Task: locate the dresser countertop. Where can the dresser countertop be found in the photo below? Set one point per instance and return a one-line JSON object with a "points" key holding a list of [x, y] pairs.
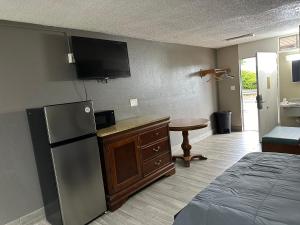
{"points": [[129, 124]]}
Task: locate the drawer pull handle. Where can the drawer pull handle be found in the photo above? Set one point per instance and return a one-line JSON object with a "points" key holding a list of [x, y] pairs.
{"points": [[157, 163], [156, 149]]}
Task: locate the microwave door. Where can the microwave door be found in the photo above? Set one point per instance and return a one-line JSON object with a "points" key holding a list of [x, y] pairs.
{"points": [[105, 119]]}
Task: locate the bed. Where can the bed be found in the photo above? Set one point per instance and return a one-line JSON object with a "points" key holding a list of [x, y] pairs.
{"points": [[282, 139], [260, 189]]}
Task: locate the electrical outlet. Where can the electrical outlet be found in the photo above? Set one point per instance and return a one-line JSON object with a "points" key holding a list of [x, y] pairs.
{"points": [[232, 87], [71, 58], [134, 102]]}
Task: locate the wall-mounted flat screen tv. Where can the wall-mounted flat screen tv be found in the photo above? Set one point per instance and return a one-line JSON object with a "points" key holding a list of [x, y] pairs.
{"points": [[100, 59], [296, 71]]}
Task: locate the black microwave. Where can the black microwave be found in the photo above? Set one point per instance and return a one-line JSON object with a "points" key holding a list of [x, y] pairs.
{"points": [[105, 119]]}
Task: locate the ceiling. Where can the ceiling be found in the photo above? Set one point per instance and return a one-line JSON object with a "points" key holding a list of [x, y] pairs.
{"points": [[204, 23]]}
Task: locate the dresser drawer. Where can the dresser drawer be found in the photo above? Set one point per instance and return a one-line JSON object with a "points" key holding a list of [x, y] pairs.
{"points": [[156, 163], [156, 149], [154, 135]]}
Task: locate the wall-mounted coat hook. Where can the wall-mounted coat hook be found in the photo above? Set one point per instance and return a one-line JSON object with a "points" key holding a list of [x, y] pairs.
{"points": [[219, 74]]}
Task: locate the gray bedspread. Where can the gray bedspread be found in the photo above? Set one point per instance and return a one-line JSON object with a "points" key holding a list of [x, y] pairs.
{"points": [[261, 188]]}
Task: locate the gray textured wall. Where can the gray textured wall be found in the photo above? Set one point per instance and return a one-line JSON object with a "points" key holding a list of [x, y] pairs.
{"points": [[230, 100], [248, 50], [34, 72]]}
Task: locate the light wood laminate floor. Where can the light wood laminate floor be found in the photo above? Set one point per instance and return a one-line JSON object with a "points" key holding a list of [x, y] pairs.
{"points": [[159, 202]]}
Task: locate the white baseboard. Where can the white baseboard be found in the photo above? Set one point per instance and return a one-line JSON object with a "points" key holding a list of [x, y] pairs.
{"points": [[193, 140], [30, 219]]}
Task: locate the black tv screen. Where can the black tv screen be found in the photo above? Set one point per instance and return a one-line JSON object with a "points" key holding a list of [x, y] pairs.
{"points": [[99, 59], [296, 71]]}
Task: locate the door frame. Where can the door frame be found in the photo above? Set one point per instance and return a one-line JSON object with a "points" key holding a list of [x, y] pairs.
{"points": [[241, 92]]}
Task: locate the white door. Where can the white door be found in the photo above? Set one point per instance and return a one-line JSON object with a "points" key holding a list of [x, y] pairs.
{"points": [[267, 91]]}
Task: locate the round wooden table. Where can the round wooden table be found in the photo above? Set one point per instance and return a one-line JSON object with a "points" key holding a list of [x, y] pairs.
{"points": [[185, 125]]}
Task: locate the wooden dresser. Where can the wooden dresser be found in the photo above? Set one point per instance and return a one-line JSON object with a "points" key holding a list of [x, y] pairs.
{"points": [[134, 153]]}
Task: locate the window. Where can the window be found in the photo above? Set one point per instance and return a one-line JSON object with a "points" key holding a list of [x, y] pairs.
{"points": [[289, 42]]}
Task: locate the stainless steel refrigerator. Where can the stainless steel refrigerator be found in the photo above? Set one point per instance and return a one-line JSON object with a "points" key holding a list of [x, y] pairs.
{"points": [[68, 162]]}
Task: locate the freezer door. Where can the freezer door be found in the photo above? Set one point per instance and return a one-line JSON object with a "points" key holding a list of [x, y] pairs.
{"points": [[70, 120], [79, 181]]}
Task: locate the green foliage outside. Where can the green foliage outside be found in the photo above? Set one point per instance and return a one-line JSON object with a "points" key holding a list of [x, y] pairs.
{"points": [[248, 80]]}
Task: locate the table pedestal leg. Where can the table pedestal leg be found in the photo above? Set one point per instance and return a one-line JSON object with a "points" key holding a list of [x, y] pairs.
{"points": [[186, 147]]}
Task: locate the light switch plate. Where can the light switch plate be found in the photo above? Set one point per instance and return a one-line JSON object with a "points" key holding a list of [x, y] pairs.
{"points": [[232, 87], [134, 102]]}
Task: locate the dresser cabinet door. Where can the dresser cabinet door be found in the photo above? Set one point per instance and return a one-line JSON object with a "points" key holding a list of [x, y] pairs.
{"points": [[125, 162]]}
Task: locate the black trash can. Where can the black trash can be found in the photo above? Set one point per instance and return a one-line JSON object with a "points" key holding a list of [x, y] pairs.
{"points": [[223, 122]]}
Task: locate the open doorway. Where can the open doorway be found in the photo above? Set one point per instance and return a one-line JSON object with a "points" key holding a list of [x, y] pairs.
{"points": [[249, 93]]}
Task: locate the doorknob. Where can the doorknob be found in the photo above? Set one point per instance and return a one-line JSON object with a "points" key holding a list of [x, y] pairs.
{"points": [[259, 101]]}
